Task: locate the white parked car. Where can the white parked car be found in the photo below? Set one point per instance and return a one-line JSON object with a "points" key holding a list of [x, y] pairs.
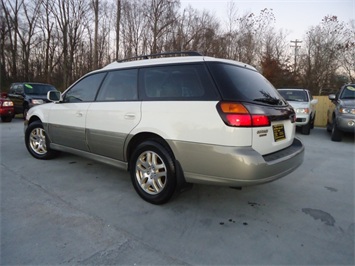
{"points": [[305, 107], [172, 121]]}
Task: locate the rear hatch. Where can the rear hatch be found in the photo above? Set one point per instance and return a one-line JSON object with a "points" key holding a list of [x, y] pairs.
{"points": [[250, 101]]}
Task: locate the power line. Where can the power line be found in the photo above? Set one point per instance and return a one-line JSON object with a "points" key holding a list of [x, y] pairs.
{"points": [[296, 46]]}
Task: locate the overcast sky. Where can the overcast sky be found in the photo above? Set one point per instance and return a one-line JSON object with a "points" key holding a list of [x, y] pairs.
{"points": [[295, 16]]}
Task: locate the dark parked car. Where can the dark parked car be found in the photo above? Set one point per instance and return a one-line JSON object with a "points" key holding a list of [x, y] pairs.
{"points": [[341, 114], [28, 94], [6, 108]]}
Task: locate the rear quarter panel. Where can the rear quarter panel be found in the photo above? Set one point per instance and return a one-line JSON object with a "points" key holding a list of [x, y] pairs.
{"points": [[190, 121]]}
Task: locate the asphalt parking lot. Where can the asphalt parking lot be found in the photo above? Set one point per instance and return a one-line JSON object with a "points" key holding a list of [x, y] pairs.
{"points": [[71, 210]]}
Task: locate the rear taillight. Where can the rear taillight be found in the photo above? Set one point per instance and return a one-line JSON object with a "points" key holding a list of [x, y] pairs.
{"points": [[237, 115]]}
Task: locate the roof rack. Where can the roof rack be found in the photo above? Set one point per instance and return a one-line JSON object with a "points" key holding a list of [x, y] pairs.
{"points": [[140, 57]]}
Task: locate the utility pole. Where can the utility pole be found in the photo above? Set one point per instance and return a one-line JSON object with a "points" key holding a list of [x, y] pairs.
{"points": [[296, 46]]}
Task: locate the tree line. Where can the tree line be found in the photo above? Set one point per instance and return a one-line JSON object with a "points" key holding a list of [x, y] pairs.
{"points": [[57, 41]]}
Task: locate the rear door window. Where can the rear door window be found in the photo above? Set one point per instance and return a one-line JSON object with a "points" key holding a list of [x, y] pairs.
{"points": [[177, 82], [119, 85]]}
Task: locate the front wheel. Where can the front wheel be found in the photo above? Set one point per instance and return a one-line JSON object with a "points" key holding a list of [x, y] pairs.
{"points": [[336, 134], [37, 143], [25, 111], [153, 172], [306, 129]]}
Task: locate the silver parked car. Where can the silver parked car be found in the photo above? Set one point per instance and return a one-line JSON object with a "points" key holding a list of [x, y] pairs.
{"points": [[302, 101], [341, 114]]}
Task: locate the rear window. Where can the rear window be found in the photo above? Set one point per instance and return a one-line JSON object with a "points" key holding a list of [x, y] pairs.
{"points": [[241, 84]]}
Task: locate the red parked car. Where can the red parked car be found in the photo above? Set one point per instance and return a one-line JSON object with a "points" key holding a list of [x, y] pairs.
{"points": [[7, 111]]}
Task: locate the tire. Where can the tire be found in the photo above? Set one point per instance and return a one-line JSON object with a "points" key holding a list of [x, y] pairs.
{"points": [[25, 111], [306, 129], [329, 127], [313, 119], [37, 142], [6, 118], [336, 134], [153, 172]]}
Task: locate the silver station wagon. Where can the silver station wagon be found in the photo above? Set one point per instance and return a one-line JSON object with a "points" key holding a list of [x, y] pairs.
{"points": [[172, 121]]}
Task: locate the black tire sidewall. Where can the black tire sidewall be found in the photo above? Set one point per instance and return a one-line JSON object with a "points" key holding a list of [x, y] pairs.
{"points": [[171, 181], [336, 134]]}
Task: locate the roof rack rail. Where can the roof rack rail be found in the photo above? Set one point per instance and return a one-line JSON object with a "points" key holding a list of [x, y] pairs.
{"points": [[167, 54]]}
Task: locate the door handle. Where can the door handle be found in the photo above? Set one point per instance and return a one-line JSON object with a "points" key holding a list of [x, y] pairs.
{"points": [[130, 116]]}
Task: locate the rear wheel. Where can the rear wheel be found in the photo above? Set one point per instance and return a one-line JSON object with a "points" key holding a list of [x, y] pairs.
{"points": [[153, 172], [37, 142]]}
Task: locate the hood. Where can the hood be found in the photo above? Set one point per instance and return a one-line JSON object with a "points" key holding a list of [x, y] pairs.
{"points": [[296, 105], [348, 103], [38, 96]]}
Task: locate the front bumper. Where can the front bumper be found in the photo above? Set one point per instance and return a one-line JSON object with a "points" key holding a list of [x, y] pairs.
{"points": [[7, 112], [302, 119], [236, 166], [346, 122]]}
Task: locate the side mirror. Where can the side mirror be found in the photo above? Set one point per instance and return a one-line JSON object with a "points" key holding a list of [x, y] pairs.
{"points": [[314, 101], [54, 96], [332, 97]]}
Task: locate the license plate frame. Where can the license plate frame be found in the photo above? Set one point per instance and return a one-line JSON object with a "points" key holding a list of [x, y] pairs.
{"points": [[279, 132]]}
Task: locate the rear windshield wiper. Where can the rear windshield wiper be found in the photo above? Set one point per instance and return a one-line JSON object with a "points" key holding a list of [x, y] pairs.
{"points": [[273, 101]]}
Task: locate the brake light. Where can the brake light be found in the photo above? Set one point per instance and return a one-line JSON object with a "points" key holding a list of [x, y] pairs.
{"points": [[237, 115]]}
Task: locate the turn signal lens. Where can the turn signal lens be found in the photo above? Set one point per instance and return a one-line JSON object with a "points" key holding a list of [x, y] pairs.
{"points": [[233, 108], [237, 115]]}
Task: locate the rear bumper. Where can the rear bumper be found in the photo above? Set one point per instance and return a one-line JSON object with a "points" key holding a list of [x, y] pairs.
{"points": [[236, 166]]}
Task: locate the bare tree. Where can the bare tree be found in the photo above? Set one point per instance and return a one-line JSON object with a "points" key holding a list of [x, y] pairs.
{"points": [[11, 12], [347, 54], [26, 33], [95, 4], [160, 15], [320, 58], [118, 21], [70, 16], [134, 29]]}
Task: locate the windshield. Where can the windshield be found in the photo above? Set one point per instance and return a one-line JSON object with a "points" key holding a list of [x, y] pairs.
{"points": [[239, 83], [38, 89], [294, 95], [348, 92]]}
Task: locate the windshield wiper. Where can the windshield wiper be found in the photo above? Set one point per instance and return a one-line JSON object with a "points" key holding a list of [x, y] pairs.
{"points": [[272, 101]]}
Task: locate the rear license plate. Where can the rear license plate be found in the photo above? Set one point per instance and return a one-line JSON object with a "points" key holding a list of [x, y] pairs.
{"points": [[279, 132]]}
